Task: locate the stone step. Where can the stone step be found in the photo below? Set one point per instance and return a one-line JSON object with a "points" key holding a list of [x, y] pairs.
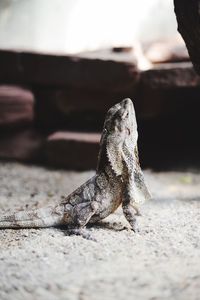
{"points": [[99, 70], [170, 76]]}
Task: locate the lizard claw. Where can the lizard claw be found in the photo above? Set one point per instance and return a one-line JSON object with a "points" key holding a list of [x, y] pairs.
{"points": [[133, 226]]}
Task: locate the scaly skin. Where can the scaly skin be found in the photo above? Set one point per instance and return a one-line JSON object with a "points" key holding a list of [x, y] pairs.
{"points": [[118, 180]]}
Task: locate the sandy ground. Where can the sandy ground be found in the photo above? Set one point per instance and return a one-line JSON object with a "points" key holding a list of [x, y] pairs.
{"points": [[161, 261]]}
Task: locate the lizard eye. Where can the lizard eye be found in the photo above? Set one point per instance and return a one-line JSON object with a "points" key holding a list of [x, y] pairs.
{"points": [[125, 114], [128, 131]]}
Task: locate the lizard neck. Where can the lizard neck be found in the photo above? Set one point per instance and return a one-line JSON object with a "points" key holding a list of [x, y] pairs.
{"points": [[102, 162]]}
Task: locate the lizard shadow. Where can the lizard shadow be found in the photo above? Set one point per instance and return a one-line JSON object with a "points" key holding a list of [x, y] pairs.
{"points": [[108, 225], [87, 231]]}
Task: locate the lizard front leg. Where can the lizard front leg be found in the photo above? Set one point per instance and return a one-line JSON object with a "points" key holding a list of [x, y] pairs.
{"points": [[130, 210]]}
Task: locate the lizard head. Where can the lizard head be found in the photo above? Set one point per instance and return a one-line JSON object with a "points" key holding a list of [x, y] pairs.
{"points": [[119, 134], [120, 119]]}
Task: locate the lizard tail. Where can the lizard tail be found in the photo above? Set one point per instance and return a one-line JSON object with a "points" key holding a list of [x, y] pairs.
{"points": [[43, 217]]}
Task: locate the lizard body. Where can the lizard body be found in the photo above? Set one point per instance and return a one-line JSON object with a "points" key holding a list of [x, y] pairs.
{"points": [[118, 180]]}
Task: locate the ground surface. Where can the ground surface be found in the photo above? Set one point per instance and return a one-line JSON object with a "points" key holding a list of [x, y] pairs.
{"points": [[162, 261]]}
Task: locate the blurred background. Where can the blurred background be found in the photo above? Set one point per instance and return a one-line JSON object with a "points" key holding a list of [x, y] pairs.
{"points": [[71, 26], [64, 63]]}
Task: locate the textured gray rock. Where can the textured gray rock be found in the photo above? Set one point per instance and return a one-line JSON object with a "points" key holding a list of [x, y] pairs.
{"points": [[159, 262], [187, 14]]}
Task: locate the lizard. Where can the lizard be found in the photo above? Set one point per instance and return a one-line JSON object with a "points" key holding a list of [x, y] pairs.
{"points": [[118, 181]]}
